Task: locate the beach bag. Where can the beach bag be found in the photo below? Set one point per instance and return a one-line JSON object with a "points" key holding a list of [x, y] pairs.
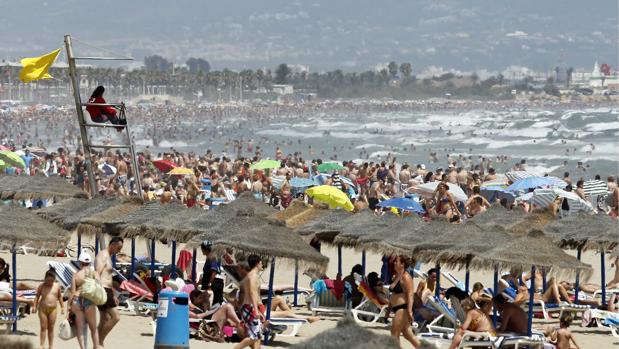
{"points": [[210, 332], [66, 331], [93, 291]]}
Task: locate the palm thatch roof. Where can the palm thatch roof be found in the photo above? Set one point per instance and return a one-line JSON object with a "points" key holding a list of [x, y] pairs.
{"points": [[537, 219], [23, 227], [348, 334], [246, 201], [299, 214], [38, 187], [366, 223], [252, 234], [67, 213], [598, 231], [326, 226], [498, 216], [401, 237], [155, 220], [93, 224], [533, 249]]}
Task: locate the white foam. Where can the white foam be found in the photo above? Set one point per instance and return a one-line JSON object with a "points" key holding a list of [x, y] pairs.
{"points": [[384, 154], [370, 145], [602, 126], [288, 132]]}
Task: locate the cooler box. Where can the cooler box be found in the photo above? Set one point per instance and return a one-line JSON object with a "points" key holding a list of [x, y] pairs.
{"points": [[172, 321]]}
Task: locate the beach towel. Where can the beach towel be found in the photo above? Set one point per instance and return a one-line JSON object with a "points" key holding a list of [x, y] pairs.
{"points": [[369, 293], [184, 260]]}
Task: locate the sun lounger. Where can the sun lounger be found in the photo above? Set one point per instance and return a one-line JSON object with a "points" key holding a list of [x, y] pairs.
{"points": [[326, 302], [447, 315], [603, 319], [371, 309], [485, 340], [546, 309], [232, 281], [64, 275]]}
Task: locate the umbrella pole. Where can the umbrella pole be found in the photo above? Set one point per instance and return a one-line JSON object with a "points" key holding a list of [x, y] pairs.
{"points": [[152, 258], [495, 291], [544, 279], [270, 298], [437, 286], [79, 244], [467, 277], [194, 264], [603, 276], [363, 261], [132, 270], [96, 244], [385, 271], [339, 259], [14, 300], [296, 283], [577, 282], [531, 300], [173, 264]]}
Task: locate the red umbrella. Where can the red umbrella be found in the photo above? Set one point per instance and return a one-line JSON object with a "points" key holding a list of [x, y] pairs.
{"points": [[164, 165]]}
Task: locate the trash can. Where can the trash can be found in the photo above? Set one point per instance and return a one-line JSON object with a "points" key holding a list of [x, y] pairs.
{"points": [[172, 321]]}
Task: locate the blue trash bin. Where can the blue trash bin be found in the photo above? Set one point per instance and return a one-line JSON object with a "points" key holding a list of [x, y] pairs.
{"points": [[172, 321]]}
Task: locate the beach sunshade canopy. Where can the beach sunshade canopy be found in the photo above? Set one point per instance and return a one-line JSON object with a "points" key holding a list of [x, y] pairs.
{"points": [[535, 182], [537, 219], [348, 334], [12, 159], [331, 196], [597, 231], [360, 224], [402, 204], [595, 187], [428, 189], [107, 169], [497, 216], [321, 178], [181, 171], [164, 165], [384, 235], [93, 224], [68, 213], [515, 176], [3, 165], [20, 226], [38, 187], [544, 197], [299, 182], [297, 214], [493, 193], [532, 249], [326, 226], [330, 166], [265, 164]]}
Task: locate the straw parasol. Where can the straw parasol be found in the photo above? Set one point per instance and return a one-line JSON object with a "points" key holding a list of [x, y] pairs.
{"points": [[67, 213], [533, 249], [348, 334], [537, 219], [298, 214], [498, 216], [326, 226], [23, 227], [246, 201], [94, 224], [364, 223], [598, 231], [38, 187], [403, 237]]}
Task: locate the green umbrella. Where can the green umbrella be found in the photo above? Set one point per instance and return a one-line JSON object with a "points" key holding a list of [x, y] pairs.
{"points": [[264, 164], [330, 166], [3, 165], [12, 159]]}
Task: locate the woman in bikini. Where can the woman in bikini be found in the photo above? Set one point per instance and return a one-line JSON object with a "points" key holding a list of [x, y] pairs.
{"points": [[445, 204], [401, 302], [477, 320], [46, 302], [82, 307]]}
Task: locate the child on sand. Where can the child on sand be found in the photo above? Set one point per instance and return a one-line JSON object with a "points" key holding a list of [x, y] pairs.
{"points": [[562, 336], [45, 304]]}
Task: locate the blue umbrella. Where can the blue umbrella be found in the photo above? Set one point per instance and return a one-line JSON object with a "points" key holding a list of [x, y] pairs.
{"points": [[535, 182], [300, 182], [494, 192], [403, 204], [107, 169]]}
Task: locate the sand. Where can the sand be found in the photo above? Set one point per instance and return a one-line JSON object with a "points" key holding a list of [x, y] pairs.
{"points": [[135, 332]]}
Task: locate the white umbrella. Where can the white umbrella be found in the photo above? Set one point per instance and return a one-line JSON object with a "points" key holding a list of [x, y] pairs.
{"points": [[428, 189], [515, 176], [107, 169], [544, 197], [595, 187]]}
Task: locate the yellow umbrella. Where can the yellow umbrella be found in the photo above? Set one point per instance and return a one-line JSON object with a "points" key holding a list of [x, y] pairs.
{"points": [[181, 171], [331, 196]]}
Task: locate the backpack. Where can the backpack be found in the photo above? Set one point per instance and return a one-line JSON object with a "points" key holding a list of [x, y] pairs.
{"points": [[93, 291]]}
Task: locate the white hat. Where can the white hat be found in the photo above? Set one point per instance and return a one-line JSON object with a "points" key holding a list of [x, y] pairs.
{"points": [[85, 257], [423, 167]]}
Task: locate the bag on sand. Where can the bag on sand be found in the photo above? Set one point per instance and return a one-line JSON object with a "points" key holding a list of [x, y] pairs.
{"points": [[66, 331], [93, 291]]}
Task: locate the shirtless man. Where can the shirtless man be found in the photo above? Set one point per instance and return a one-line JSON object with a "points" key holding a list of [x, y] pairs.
{"points": [[513, 318], [108, 312], [121, 171], [250, 315]]}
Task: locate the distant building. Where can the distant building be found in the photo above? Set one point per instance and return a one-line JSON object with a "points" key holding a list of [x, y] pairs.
{"points": [[599, 79], [283, 90]]}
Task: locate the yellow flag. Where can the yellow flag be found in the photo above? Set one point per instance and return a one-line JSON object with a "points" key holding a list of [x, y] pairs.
{"points": [[36, 68]]}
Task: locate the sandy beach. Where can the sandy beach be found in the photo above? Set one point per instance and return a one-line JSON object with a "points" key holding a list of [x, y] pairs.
{"points": [[135, 332]]}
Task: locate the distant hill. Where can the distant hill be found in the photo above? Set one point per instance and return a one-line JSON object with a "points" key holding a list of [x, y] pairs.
{"points": [[325, 34]]}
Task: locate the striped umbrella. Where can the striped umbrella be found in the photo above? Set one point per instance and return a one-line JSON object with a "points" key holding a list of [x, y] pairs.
{"points": [[595, 187], [535, 182], [544, 197], [515, 176], [321, 178]]}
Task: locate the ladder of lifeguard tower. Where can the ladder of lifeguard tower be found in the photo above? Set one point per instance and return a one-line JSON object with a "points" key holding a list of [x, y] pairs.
{"points": [[79, 107]]}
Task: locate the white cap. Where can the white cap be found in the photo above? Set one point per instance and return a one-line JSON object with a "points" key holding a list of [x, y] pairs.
{"points": [[423, 167], [85, 257]]}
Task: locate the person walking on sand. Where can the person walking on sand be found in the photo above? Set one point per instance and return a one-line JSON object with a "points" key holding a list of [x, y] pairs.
{"points": [[80, 306], [401, 302], [108, 312], [250, 314], [45, 305]]}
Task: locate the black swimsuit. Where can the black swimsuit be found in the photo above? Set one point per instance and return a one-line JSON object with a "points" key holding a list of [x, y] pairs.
{"points": [[397, 289]]}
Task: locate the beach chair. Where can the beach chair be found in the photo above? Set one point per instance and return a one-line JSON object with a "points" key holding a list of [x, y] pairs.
{"points": [[324, 301], [6, 315], [371, 308], [232, 281], [64, 275], [448, 315], [602, 319], [546, 309]]}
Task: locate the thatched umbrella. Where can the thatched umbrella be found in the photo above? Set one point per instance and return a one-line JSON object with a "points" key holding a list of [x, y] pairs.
{"points": [[498, 216], [22, 227], [38, 187], [67, 213], [246, 201], [299, 214], [93, 224], [348, 334], [325, 227], [362, 224], [537, 219]]}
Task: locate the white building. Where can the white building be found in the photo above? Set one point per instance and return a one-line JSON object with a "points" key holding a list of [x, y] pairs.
{"points": [[283, 89], [599, 80]]}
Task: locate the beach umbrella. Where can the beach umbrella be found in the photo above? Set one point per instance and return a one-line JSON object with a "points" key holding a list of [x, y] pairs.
{"points": [[330, 166], [595, 187], [331, 196], [428, 189], [326, 226], [2, 147], [37, 151], [67, 213], [164, 165], [3, 165], [515, 176], [403, 204], [265, 164], [497, 216], [181, 171], [297, 214], [493, 193], [321, 178], [300, 182], [348, 334], [534, 182], [12, 159], [38, 187], [544, 197], [107, 169]]}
